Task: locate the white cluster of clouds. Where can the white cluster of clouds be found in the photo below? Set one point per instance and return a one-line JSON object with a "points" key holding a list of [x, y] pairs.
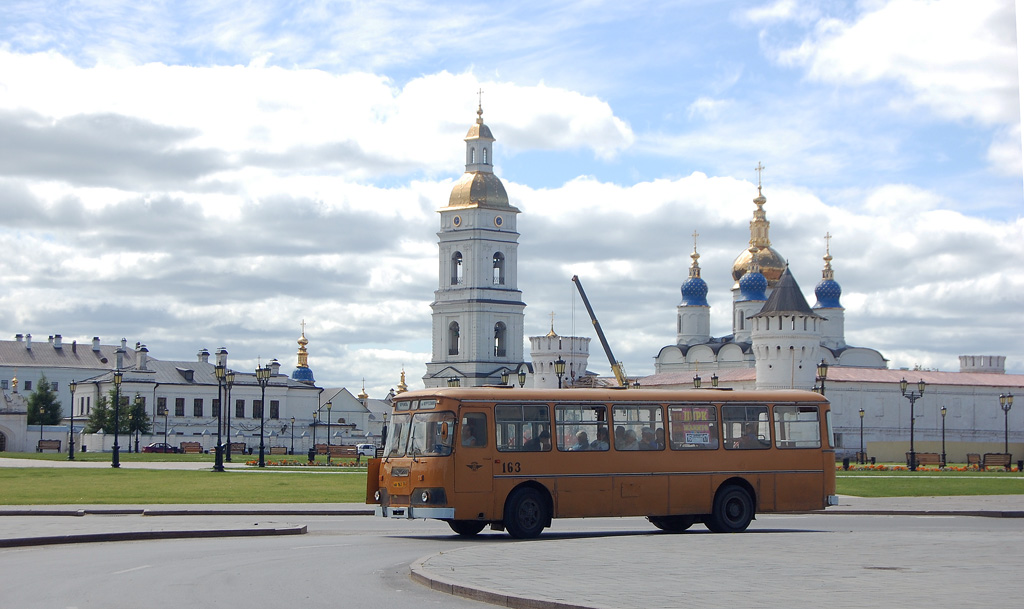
{"points": [[213, 175]]}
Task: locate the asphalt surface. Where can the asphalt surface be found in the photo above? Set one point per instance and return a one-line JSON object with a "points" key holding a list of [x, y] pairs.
{"points": [[650, 570]]}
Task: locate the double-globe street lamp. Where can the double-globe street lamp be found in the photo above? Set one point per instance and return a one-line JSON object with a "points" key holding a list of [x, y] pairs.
{"points": [[115, 459], [71, 434], [218, 461], [943, 412], [229, 380], [861, 457], [1006, 402], [913, 397], [328, 432], [262, 377], [291, 451]]}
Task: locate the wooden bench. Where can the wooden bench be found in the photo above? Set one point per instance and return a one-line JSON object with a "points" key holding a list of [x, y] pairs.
{"points": [[42, 445], [996, 460], [344, 451], [279, 450], [974, 460], [238, 448], [926, 459], [191, 448]]}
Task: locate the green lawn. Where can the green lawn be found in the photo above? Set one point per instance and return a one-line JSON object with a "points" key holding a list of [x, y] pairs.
{"points": [[56, 486], [928, 484]]}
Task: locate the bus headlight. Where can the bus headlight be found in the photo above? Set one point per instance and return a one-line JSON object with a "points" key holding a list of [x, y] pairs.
{"points": [[376, 495], [429, 496]]}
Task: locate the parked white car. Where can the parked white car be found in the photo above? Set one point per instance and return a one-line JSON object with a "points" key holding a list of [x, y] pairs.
{"points": [[366, 450]]}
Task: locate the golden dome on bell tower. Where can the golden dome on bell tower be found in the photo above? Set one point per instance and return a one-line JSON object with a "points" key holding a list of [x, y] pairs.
{"points": [[770, 262]]}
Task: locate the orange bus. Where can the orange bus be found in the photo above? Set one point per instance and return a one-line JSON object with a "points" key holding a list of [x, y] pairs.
{"points": [[514, 459]]}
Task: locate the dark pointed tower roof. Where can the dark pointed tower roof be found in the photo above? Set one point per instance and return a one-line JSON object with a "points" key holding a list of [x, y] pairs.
{"points": [[787, 298]]}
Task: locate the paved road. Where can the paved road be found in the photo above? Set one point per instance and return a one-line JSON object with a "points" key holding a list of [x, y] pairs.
{"points": [[903, 552]]}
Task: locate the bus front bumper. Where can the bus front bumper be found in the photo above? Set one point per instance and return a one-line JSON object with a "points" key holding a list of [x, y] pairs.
{"points": [[415, 511]]}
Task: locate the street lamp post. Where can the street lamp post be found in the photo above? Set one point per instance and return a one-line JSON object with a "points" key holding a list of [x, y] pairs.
{"points": [[71, 435], [943, 412], [291, 451], [522, 376], [505, 376], [822, 373], [560, 370], [861, 457], [913, 397], [262, 377], [454, 381], [328, 432], [229, 380], [1006, 402], [697, 381], [136, 425], [714, 380], [115, 459], [218, 460], [165, 426]]}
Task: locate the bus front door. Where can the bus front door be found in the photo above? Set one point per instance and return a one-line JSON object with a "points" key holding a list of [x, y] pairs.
{"points": [[473, 466]]}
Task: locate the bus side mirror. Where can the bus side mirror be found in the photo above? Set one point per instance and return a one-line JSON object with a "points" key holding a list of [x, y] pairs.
{"points": [[444, 430]]}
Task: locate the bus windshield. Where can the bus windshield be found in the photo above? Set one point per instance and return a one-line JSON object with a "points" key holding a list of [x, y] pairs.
{"points": [[423, 434]]}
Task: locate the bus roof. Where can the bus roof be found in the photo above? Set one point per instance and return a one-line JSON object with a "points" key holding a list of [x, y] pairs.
{"points": [[498, 393]]}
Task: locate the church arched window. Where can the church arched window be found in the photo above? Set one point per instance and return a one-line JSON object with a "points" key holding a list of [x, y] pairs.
{"points": [[485, 155], [472, 155], [499, 339], [457, 268], [499, 268], [453, 338]]}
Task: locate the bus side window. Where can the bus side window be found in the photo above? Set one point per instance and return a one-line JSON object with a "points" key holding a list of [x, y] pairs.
{"points": [[745, 426], [473, 432]]}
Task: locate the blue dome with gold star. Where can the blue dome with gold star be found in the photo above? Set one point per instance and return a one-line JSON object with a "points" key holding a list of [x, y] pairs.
{"points": [[695, 292], [753, 285]]}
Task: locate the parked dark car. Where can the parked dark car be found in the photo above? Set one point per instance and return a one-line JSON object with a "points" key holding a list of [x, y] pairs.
{"points": [[159, 447]]}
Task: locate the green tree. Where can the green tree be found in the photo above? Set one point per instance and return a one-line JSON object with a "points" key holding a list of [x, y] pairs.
{"points": [[43, 406], [99, 415], [138, 419]]}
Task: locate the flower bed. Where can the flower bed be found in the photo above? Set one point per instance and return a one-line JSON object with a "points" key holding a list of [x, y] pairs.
{"points": [[903, 468], [304, 463]]}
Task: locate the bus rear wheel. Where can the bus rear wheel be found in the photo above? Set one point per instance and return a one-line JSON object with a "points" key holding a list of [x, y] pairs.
{"points": [[526, 513], [467, 528], [732, 511], [672, 524]]}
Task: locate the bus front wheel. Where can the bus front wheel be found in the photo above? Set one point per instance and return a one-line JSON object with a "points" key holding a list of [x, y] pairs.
{"points": [[732, 511], [467, 528], [526, 513], [672, 524]]}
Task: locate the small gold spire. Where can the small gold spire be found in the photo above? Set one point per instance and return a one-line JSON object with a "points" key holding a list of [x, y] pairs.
{"points": [[827, 272], [695, 267], [362, 394], [480, 106], [402, 387], [552, 333], [303, 355]]}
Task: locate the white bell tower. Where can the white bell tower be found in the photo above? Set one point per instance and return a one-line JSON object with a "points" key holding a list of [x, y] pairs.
{"points": [[478, 309]]}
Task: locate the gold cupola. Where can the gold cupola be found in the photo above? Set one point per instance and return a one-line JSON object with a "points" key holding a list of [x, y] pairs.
{"points": [[769, 261]]}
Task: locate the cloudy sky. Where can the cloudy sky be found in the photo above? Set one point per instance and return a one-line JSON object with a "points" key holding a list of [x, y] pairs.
{"points": [[203, 174]]}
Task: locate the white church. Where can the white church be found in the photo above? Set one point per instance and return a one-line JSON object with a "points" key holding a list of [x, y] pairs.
{"points": [[778, 341]]}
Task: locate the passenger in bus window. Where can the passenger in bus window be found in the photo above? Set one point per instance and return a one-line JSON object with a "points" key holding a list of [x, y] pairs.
{"points": [[629, 441], [620, 436], [647, 441], [582, 441], [749, 438], [539, 443], [601, 443], [659, 437]]}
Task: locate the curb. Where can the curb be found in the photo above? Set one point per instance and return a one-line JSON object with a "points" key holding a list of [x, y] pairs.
{"points": [[188, 512], [148, 535], [421, 575]]}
